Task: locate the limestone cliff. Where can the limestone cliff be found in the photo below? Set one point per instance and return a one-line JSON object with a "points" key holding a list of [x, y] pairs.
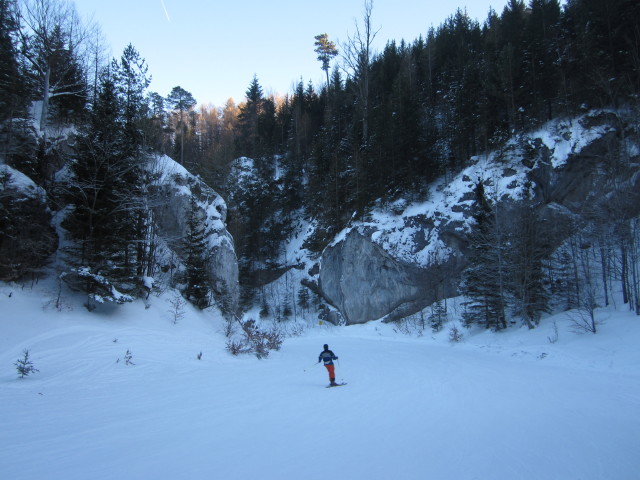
{"points": [[399, 258], [175, 187]]}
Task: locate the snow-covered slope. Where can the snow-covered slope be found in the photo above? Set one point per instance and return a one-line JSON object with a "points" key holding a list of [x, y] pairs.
{"points": [[495, 406]]}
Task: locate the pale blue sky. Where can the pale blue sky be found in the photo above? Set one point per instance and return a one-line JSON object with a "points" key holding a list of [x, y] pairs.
{"points": [[212, 48]]}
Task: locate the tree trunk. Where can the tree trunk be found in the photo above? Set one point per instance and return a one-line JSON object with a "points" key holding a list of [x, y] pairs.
{"points": [[623, 274], [44, 114], [603, 262]]}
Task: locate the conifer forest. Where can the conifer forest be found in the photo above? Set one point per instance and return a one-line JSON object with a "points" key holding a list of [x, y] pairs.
{"points": [[382, 128]]}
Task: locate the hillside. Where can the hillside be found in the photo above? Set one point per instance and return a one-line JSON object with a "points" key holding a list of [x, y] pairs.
{"points": [[573, 181], [494, 159], [519, 405]]}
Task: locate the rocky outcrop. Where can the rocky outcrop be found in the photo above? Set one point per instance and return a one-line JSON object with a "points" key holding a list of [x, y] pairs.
{"points": [[395, 262], [365, 283], [175, 189]]}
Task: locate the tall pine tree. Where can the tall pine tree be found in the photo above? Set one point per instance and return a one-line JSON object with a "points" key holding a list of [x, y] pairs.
{"points": [[195, 247], [12, 85], [484, 278]]}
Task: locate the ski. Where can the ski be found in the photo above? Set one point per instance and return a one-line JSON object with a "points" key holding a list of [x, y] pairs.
{"points": [[337, 385]]}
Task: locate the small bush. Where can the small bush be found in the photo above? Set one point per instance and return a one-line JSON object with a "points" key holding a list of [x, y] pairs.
{"points": [[254, 340], [296, 330], [455, 335], [128, 358], [237, 347], [177, 307]]}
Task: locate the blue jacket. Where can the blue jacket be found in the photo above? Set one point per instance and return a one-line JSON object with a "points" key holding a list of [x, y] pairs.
{"points": [[327, 356]]}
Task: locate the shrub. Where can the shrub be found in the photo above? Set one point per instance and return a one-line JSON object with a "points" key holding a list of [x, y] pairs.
{"points": [[455, 335], [255, 340]]}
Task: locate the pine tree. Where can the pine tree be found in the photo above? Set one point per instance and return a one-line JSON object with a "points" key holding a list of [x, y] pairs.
{"points": [[484, 278], [326, 50], [12, 84], [438, 316], [527, 252], [196, 258], [287, 310], [26, 237], [250, 111], [543, 76], [97, 165], [182, 103], [303, 298], [511, 55], [109, 221], [25, 366], [155, 123], [132, 81]]}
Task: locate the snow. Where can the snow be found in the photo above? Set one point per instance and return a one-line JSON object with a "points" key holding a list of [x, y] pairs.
{"points": [[510, 406], [18, 181], [169, 170], [565, 137]]}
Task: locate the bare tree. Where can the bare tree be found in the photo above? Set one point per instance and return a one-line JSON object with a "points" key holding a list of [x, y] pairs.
{"points": [[53, 39], [356, 55], [584, 317], [97, 56]]}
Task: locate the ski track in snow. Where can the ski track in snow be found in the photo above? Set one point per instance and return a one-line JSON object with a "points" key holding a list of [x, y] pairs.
{"points": [[492, 407]]}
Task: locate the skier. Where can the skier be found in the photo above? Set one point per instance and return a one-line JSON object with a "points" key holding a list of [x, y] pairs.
{"points": [[327, 356]]}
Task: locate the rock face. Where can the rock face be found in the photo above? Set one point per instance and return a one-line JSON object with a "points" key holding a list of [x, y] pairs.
{"points": [[365, 283], [175, 189], [396, 261]]}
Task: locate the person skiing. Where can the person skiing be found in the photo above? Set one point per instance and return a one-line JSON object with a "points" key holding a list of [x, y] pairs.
{"points": [[327, 356]]}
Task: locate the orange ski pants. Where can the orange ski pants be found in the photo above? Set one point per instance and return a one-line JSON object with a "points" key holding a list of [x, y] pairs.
{"points": [[331, 370]]}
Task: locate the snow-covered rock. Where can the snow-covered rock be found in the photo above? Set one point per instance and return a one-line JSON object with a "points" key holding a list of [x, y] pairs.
{"points": [[365, 283], [176, 186]]}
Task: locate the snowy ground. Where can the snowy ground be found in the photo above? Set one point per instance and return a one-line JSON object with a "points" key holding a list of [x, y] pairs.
{"points": [[496, 406]]}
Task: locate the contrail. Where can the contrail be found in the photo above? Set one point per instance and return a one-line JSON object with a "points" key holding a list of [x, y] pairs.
{"points": [[165, 11]]}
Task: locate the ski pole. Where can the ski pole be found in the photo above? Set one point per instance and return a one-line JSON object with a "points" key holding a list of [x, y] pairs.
{"points": [[312, 365]]}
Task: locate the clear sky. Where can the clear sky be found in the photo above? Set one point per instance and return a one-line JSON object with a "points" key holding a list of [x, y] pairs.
{"points": [[212, 48]]}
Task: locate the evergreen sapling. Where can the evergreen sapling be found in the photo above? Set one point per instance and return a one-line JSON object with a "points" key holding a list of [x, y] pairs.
{"points": [[25, 366]]}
